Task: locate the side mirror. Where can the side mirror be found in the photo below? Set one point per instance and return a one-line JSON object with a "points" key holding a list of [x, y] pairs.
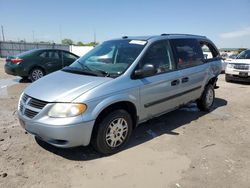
{"points": [[147, 70]]}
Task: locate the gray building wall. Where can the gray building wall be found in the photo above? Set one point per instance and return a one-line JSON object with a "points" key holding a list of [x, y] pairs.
{"points": [[14, 48]]}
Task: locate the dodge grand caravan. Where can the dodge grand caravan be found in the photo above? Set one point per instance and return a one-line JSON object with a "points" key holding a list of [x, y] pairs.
{"points": [[104, 95]]}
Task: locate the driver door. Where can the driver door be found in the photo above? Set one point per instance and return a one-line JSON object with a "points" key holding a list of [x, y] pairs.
{"points": [[159, 93]]}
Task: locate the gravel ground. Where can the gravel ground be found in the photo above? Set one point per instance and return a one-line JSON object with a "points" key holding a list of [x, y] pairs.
{"points": [[185, 148]]}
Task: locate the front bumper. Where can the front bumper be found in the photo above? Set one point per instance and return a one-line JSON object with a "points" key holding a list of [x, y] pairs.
{"points": [[64, 136], [238, 75]]}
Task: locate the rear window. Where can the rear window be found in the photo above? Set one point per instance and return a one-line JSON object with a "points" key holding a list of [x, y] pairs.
{"points": [[188, 52], [27, 53]]}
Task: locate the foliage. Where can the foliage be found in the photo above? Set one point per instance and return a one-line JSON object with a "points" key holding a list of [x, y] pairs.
{"points": [[67, 42], [80, 43]]}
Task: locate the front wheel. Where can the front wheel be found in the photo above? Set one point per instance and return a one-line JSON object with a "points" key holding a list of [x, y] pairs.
{"points": [[206, 101], [112, 132], [35, 74]]}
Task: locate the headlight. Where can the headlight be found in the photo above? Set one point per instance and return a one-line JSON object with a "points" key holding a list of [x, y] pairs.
{"points": [[67, 110], [230, 65]]}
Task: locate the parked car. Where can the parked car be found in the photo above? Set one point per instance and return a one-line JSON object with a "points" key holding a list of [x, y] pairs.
{"points": [[239, 69], [120, 83], [34, 64]]}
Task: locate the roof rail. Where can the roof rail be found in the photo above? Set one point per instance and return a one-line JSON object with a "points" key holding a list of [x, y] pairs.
{"points": [[166, 34]]}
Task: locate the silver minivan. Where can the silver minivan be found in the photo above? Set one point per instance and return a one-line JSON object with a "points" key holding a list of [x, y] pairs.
{"points": [[105, 94]]}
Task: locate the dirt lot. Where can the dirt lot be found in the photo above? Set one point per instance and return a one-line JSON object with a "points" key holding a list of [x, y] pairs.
{"points": [[185, 148]]}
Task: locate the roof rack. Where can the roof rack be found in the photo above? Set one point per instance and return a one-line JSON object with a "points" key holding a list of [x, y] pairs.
{"points": [[167, 34], [125, 37]]}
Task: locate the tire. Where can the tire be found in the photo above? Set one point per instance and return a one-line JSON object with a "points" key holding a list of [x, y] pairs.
{"points": [[206, 101], [227, 78], [107, 141], [36, 73], [25, 77]]}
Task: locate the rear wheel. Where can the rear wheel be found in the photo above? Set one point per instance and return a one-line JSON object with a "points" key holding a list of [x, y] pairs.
{"points": [[206, 101], [36, 73], [112, 132]]}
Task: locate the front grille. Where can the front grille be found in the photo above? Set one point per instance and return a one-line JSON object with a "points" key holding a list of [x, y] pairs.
{"points": [[37, 103], [25, 97], [30, 107], [29, 113], [241, 66]]}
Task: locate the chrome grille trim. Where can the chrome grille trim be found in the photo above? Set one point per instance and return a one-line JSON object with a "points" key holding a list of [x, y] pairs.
{"points": [[30, 107], [241, 66]]}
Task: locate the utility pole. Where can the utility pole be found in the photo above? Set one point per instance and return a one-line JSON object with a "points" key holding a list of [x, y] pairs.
{"points": [[33, 34], [60, 32], [2, 33], [94, 36]]}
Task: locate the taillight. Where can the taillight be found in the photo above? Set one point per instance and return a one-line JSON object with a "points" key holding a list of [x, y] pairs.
{"points": [[16, 61]]}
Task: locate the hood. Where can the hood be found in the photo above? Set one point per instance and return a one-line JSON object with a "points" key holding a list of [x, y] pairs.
{"points": [[62, 86], [240, 61]]}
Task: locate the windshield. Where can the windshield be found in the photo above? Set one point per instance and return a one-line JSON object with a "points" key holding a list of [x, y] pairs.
{"points": [[244, 55], [110, 58]]}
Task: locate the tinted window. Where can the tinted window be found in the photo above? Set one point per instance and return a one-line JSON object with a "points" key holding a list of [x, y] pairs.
{"points": [[53, 55], [188, 52], [69, 55], [244, 55], [159, 55], [43, 54]]}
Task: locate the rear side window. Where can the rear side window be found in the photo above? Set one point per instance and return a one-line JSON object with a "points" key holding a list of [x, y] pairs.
{"points": [[50, 54], [209, 52], [188, 52], [44, 54], [53, 55], [69, 55]]}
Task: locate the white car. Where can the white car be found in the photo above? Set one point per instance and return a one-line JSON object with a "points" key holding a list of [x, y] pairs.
{"points": [[239, 69]]}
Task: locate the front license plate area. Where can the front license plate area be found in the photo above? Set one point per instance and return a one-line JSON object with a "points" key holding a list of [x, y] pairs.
{"points": [[243, 74]]}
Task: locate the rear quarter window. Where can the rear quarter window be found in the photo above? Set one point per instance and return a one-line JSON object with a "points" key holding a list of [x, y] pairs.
{"points": [[209, 51], [187, 52]]}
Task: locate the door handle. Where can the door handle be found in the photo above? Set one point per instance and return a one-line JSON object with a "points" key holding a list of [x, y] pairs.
{"points": [[175, 82], [186, 79]]}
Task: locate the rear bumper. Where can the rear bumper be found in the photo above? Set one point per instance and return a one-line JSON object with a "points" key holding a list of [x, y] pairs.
{"points": [[10, 70], [63, 136]]}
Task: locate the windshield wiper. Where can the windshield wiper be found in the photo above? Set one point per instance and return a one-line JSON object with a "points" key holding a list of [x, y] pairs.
{"points": [[104, 73]]}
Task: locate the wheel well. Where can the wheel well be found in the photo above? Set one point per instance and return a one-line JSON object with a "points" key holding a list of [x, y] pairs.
{"points": [[212, 81], [39, 68], [125, 105]]}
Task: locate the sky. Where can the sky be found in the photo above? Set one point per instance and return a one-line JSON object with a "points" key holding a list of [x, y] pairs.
{"points": [[225, 22]]}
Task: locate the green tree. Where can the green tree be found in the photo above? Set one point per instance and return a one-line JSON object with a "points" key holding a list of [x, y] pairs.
{"points": [[67, 42], [80, 43], [92, 44]]}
